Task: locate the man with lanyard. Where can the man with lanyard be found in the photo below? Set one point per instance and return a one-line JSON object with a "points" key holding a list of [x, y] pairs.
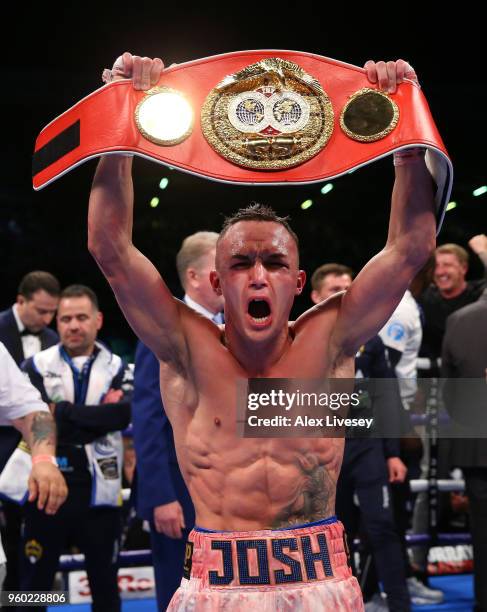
{"points": [[84, 384], [162, 498]]}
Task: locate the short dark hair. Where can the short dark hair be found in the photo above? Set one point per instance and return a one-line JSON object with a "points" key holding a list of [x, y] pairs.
{"points": [[326, 269], [257, 212], [37, 281], [81, 291]]}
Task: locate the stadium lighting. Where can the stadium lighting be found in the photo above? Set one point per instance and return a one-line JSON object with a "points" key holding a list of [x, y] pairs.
{"points": [[326, 188], [480, 191]]}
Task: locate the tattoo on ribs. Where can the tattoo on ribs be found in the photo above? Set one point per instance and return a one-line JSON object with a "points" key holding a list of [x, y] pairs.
{"points": [[315, 499], [43, 429]]}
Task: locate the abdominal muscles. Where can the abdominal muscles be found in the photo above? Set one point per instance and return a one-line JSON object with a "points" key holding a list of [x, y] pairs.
{"points": [[264, 484]]}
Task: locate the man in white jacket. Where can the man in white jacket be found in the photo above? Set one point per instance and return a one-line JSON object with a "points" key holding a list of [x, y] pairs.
{"points": [[88, 390]]}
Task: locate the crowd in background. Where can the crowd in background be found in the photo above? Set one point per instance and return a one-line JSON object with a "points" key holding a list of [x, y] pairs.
{"points": [[113, 433]]}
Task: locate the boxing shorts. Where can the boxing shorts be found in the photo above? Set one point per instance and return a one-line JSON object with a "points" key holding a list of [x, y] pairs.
{"points": [[303, 568]]}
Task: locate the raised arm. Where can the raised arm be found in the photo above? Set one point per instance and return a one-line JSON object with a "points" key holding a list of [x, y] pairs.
{"points": [[478, 244], [148, 305], [377, 290]]}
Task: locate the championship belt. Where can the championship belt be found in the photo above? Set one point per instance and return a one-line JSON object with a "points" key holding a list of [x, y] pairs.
{"points": [[251, 117]]}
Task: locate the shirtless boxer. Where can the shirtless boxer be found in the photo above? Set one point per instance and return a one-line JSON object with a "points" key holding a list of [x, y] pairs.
{"points": [[266, 535]]}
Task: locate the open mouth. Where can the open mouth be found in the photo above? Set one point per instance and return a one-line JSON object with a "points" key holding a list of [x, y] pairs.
{"points": [[259, 310]]}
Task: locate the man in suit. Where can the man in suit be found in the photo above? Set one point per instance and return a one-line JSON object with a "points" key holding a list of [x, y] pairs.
{"points": [[24, 327], [370, 464], [464, 355], [161, 495], [24, 332]]}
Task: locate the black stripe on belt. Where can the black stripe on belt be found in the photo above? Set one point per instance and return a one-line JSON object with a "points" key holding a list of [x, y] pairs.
{"points": [[65, 142]]}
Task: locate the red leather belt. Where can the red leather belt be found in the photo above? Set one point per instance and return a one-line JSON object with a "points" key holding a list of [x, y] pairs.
{"points": [[106, 122]]}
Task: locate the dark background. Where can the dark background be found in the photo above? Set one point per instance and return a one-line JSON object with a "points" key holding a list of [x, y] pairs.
{"points": [[55, 57]]}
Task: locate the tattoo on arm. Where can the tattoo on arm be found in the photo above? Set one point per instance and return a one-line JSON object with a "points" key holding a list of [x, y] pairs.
{"points": [[43, 430], [315, 498]]}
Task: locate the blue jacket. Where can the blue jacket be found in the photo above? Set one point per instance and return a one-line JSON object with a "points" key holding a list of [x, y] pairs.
{"points": [[372, 362], [158, 478]]}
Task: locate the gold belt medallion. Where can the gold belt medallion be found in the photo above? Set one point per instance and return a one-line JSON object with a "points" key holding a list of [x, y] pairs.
{"points": [[271, 115]]}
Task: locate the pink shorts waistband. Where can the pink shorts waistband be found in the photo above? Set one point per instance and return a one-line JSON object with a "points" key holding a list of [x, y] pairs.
{"points": [[308, 553]]}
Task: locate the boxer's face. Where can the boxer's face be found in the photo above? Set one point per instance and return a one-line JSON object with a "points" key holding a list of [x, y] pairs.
{"points": [[257, 272]]}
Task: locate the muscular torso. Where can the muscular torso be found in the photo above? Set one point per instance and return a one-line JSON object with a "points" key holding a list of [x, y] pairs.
{"points": [[246, 483]]}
